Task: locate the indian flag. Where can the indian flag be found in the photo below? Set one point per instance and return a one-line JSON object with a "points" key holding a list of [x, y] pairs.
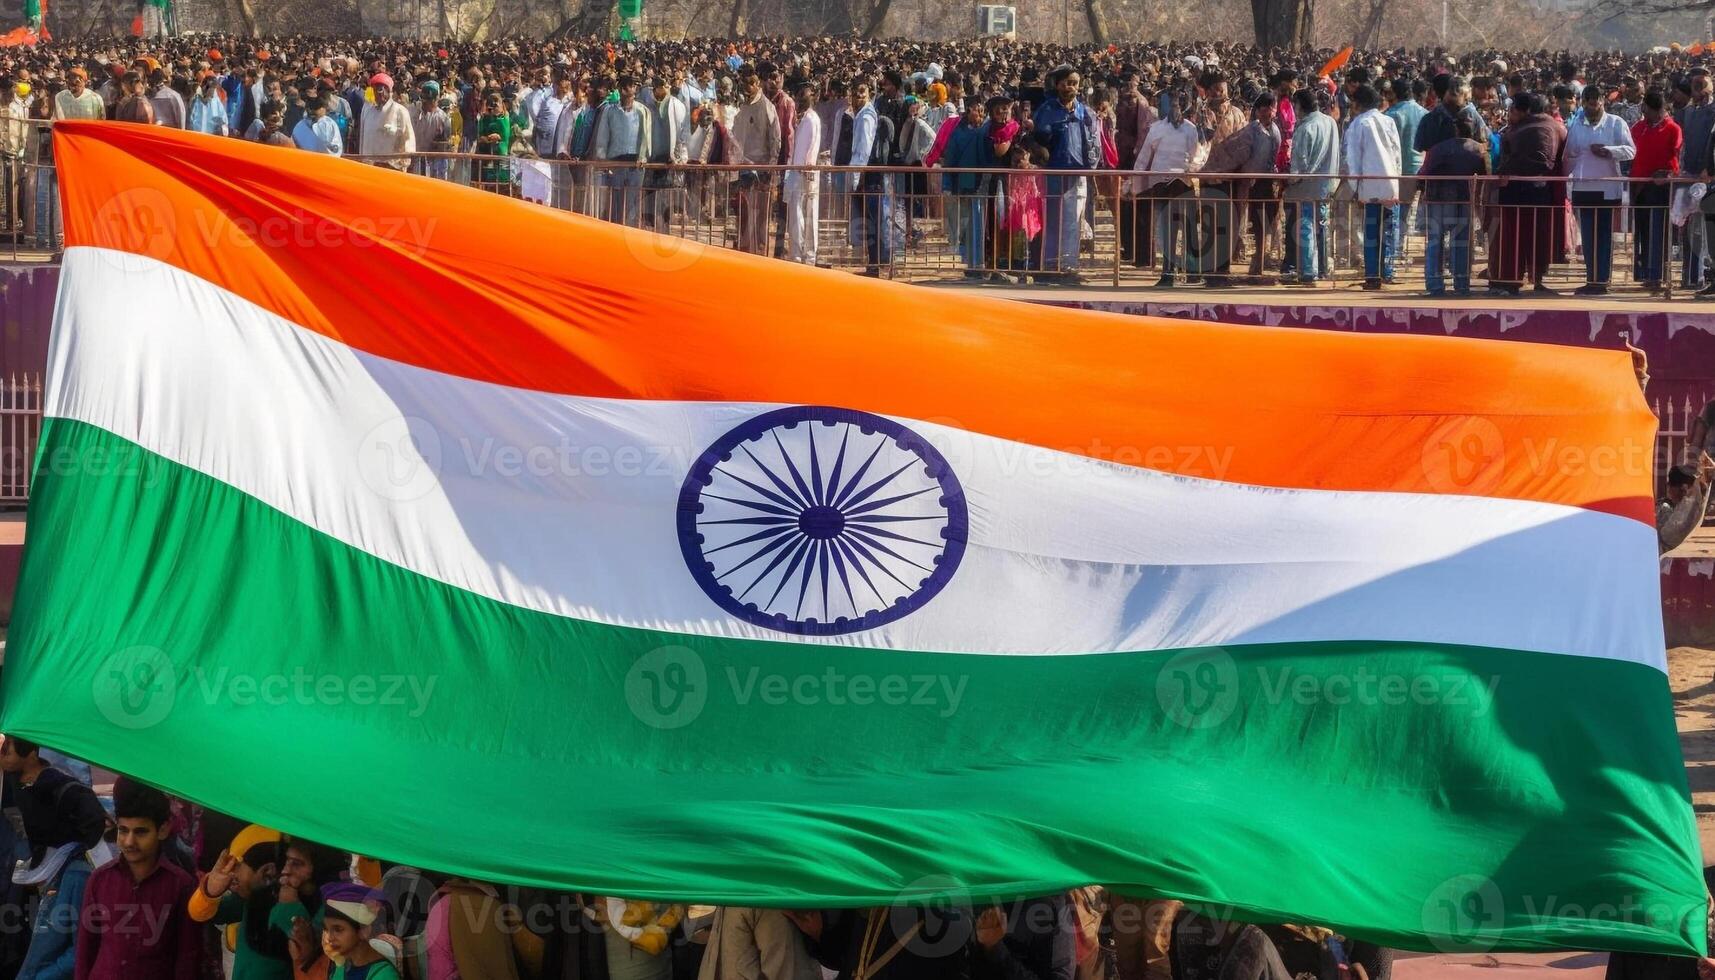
{"points": [[505, 542]]}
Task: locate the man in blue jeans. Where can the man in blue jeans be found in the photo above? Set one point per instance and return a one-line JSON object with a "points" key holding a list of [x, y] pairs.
{"points": [[1315, 163], [1446, 176], [1373, 157]]}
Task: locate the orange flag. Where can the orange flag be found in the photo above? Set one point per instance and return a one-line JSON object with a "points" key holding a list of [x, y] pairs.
{"points": [[1337, 62]]}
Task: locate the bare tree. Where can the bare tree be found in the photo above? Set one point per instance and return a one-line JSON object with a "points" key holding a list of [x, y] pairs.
{"points": [[740, 13], [1284, 23], [1097, 13]]}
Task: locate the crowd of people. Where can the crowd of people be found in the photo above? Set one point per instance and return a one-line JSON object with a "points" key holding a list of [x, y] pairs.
{"points": [[1005, 155], [153, 888]]}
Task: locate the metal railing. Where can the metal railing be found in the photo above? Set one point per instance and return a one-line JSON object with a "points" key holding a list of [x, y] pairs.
{"points": [[1122, 228], [20, 430]]}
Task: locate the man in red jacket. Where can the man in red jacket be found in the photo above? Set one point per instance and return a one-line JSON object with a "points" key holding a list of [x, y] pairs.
{"points": [[1658, 140]]}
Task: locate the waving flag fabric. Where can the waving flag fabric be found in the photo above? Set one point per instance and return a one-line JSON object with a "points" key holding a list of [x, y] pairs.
{"points": [[504, 542]]}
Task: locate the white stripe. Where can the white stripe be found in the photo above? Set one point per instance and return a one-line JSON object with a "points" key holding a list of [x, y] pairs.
{"points": [[568, 505]]}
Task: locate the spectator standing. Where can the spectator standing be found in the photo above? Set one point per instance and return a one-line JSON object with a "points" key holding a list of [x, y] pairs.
{"points": [[1659, 145], [870, 144], [756, 141], [136, 919], [1064, 126], [621, 140], [386, 126], [77, 100], [1532, 148], [1407, 115], [801, 187], [1373, 155], [1172, 146], [968, 149], [208, 114], [62, 820], [169, 105], [434, 131], [638, 935], [1033, 938], [1697, 123], [785, 110], [14, 146], [668, 138], [316, 132], [1315, 166], [1448, 200], [756, 944], [1597, 142]]}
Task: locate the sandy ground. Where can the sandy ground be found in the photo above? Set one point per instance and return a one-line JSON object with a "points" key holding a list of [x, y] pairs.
{"points": [[1691, 671]]}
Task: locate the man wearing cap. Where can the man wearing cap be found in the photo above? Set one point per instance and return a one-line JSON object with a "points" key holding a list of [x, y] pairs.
{"points": [[77, 100], [349, 912], [433, 129], [386, 126]]}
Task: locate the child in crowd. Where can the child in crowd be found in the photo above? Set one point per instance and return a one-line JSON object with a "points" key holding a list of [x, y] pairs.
{"points": [[1023, 221]]}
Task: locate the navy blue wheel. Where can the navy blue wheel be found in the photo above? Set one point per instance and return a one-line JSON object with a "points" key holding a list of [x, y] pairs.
{"points": [[817, 520]]}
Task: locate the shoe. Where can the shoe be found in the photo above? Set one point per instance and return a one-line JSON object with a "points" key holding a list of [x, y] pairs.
{"points": [[1302, 283], [1391, 280], [1540, 290], [1071, 279], [1165, 282], [1002, 277], [1464, 293], [1708, 290], [1217, 282], [1591, 289], [873, 272], [1372, 285], [1434, 293], [973, 274]]}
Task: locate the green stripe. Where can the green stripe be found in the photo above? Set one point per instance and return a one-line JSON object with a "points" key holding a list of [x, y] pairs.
{"points": [[1416, 809]]}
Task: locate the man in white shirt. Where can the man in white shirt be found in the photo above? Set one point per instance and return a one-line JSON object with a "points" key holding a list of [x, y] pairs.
{"points": [[1172, 146], [1597, 141], [1373, 155], [802, 188], [386, 126], [77, 100]]}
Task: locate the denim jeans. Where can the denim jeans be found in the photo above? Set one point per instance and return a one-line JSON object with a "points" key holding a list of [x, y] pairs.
{"points": [[1596, 231], [1312, 240], [869, 227], [1650, 231], [1449, 242], [1380, 220]]}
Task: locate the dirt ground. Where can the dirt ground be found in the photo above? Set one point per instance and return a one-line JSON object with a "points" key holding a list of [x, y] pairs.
{"points": [[1691, 671]]}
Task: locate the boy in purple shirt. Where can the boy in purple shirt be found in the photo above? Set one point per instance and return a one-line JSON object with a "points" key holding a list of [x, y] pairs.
{"points": [[135, 924]]}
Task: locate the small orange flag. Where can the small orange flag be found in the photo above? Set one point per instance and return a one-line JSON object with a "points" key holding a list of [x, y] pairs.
{"points": [[1337, 62]]}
